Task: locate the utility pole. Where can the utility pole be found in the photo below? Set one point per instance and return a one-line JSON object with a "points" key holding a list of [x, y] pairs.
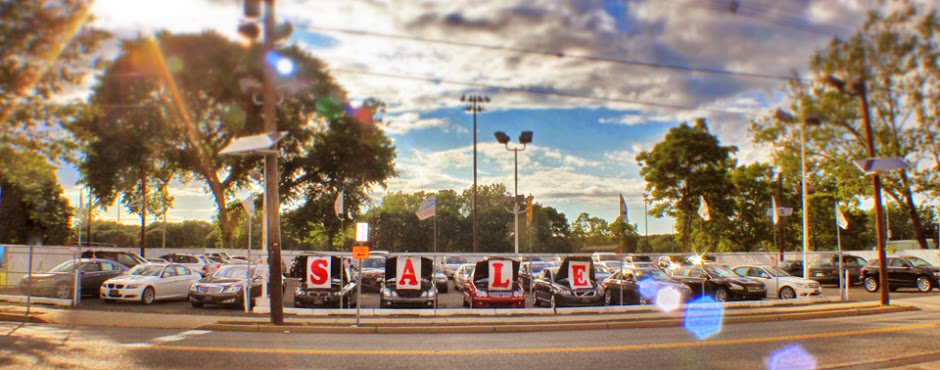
{"points": [[475, 107], [272, 206]]}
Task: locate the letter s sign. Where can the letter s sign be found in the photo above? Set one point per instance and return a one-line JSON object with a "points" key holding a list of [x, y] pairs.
{"points": [[318, 272]]}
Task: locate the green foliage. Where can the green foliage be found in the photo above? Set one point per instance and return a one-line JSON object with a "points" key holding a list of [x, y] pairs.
{"points": [[186, 234], [32, 206]]}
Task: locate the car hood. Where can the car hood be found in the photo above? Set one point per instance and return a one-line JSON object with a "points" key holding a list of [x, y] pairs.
{"points": [[131, 278], [44, 275], [220, 280], [738, 280], [795, 280]]}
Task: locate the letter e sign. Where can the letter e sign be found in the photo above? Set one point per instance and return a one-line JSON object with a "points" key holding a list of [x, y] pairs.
{"points": [[318, 272], [579, 274], [500, 275], [409, 273]]}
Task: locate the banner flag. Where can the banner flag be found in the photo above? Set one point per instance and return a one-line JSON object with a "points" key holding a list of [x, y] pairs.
{"points": [[338, 206], [428, 208], [774, 210], [623, 210], [703, 208], [840, 219]]}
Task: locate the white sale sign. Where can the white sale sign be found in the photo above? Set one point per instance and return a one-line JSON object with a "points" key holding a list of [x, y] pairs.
{"points": [[579, 274], [318, 272], [500, 275], [408, 274]]}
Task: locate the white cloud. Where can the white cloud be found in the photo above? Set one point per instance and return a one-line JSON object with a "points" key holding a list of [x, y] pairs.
{"points": [[404, 123]]}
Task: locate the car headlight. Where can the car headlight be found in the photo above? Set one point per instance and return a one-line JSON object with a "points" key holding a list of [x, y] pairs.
{"points": [[233, 289], [936, 274], [133, 286], [195, 288], [298, 291], [800, 285], [481, 293], [518, 293], [735, 286], [566, 292], [427, 294]]}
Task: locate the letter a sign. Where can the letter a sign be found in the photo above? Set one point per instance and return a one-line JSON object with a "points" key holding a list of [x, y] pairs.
{"points": [[579, 274], [318, 272], [500, 275], [409, 273]]}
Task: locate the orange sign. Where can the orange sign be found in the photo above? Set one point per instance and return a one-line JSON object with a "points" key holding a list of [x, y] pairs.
{"points": [[360, 253]]}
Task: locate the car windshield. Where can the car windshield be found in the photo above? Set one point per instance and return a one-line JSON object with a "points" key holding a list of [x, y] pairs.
{"points": [[917, 261], [823, 261], [601, 269], [776, 272], [652, 273], [720, 271], [537, 267], [233, 272], [146, 270], [455, 260], [373, 263], [67, 266]]}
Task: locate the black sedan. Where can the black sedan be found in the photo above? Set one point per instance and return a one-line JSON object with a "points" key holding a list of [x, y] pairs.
{"points": [[825, 268], [903, 272], [719, 282], [529, 270], [58, 282], [226, 286], [423, 295], [557, 287], [341, 291], [642, 286]]}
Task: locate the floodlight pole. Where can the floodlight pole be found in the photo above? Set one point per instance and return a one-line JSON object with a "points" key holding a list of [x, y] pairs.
{"points": [[271, 206], [475, 106], [524, 139], [804, 198]]}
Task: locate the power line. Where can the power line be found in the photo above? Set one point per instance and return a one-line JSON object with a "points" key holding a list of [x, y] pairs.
{"points": [[532, 90], [558, 54]]}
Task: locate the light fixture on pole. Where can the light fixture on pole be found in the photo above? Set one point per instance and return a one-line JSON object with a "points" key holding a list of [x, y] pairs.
{"points": [[525, 138], [812, 120], [475, 106]]}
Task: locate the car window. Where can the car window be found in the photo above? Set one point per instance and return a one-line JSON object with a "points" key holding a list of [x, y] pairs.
{"points": [[743, 271], [169, 272], [695, 273], [182, 270], [125, 259], [91, 267], [108, 266], [897, 262]]}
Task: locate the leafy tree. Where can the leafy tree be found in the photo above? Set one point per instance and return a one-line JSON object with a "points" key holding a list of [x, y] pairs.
{"points": [[587, 230], [750, 228], [46, 48], [32, 207], [625, 235], [688, 163], [889, 63]]}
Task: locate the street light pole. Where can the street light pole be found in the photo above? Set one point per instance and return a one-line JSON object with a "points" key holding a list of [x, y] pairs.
{"points": [[271, 173], [524, 139], [474, 107], [804, 198], [646, 225]]}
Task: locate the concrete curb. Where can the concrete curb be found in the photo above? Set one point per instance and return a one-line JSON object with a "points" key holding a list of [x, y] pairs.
{"points": [[22, 318], [858, 310]]}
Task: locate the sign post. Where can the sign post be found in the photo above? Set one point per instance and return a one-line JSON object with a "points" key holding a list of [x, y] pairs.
{"points": [[362, 236]]}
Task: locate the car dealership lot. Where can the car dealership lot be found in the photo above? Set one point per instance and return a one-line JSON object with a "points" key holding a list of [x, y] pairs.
{"points": [[370, 299]]}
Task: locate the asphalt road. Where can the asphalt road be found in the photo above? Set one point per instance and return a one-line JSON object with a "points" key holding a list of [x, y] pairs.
{"points": [[882, 341], [451, 299]]}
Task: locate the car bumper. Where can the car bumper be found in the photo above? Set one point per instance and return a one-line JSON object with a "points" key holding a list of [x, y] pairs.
{"points": [[304, 300], [807, 292], [125, 294], [748, 295], [574, 301], [408, 302], [217, 299]]}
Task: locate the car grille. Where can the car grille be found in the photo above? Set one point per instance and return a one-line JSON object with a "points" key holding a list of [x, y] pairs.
{"points": [[585, 294], [114, 286], [813, 285], [319, 294], [210, 289], [500, 294]]}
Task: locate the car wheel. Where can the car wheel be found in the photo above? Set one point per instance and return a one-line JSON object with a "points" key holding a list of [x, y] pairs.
{"points": [[195, 304], [148, 296], [721, 295], [787, 293], [871, 284], [63, 290], [608, 300], [444, 290], [923, 284]]}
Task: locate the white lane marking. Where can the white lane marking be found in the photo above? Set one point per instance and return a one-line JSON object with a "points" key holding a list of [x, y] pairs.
{"points": [[169, 338]]}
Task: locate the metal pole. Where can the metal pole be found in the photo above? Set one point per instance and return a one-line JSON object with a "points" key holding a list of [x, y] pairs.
{"points": [[804, 198], [879, 208], [29, 282], [164, 226], [842, 283], [515, 198], [76, 278], [359, 292], [143, 217], [473, 101], [270, 174], [247, 290], [646, 224]]}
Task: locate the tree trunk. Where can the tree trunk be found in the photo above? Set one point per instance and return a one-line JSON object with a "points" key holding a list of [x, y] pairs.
{"points": [[912, 212], [225, 223]]}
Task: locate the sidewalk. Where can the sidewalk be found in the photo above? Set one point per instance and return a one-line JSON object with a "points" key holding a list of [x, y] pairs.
{"points": [[451, 320]]}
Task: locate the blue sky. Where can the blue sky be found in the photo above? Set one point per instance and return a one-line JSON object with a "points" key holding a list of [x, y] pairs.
{"points": [[584, 147]]}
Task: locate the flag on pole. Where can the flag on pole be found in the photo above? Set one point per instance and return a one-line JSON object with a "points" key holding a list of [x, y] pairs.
{"points": [[529, 210], [249, 205], [703, 208], [774, 210], [428, 208], [623, 210], [840, 219], [338, 206]]}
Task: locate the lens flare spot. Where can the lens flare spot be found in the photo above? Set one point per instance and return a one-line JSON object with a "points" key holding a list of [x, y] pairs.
{"points": [[792, 357], [703, 317], [329, 108], [283, 65], [668, 299], [648, 288]]}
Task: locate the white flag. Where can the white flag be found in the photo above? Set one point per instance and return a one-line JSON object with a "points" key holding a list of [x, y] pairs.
{"points": [[703, 208], [776, 213], [840, 219], [338, 206], [249, 205]]}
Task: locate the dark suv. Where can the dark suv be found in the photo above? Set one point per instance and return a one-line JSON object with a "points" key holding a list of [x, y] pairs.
{"points": [[825, 268], [903, 272], [128, 259]]}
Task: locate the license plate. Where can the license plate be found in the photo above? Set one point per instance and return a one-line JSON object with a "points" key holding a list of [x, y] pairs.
{"points": [[114, 293], [318, 301]]}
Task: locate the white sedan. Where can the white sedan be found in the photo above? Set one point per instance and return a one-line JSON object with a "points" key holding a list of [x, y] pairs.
{"points": [[789, 287], [150, 282]]}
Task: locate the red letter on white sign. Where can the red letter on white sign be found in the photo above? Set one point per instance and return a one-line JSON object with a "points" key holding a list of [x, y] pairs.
{"points": [[318, 272], [578, 275], [500, 275], [409, 269]]}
